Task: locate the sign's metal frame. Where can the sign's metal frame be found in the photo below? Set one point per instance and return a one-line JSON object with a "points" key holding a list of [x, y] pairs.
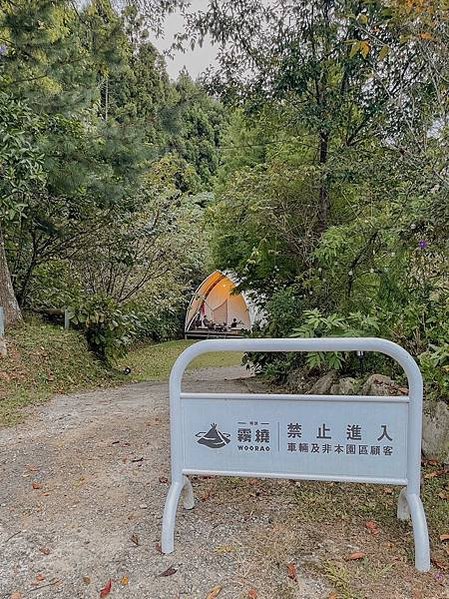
{"points": [[409, 504]]}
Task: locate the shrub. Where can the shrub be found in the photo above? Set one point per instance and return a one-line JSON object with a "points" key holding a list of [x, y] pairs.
{"points": [[109, 329]]}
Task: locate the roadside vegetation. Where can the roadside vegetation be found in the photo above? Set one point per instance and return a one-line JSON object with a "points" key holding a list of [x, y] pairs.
{"points": [[312, 161], [350, 536], [154, 362], [44, 360]]}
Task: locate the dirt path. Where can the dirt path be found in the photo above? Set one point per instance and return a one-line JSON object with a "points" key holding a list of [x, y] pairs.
{"points": [[83, 485]]}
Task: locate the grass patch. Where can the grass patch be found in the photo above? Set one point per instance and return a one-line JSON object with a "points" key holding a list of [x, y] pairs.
{"points": [[44, 360], [340, 512], [154, 362]]}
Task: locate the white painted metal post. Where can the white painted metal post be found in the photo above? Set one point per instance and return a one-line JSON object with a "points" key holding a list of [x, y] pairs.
{"points": [[409, 500]]}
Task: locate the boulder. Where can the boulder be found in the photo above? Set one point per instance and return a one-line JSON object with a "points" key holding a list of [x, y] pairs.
{"points": [[379, 384], [297, 381], [323, 385], [435, 431], [345, 386]]}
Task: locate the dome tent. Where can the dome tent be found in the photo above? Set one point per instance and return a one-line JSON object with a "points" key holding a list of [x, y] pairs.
{"points": [[217, 310]]}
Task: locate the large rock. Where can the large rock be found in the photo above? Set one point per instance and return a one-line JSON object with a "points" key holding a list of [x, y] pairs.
{"points": [[435, 431], [297, 381], [323, 385], [379, 384], [345, 386]]}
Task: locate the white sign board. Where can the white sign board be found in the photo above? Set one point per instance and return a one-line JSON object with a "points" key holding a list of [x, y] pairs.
{"points": [[312, 437], [292, 437]]}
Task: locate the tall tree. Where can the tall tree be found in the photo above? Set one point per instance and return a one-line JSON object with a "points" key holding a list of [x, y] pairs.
{"points": [[339, 64], [21, 177]]}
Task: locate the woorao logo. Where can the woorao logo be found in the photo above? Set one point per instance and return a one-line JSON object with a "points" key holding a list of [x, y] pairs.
{"points": [[213, 438]]}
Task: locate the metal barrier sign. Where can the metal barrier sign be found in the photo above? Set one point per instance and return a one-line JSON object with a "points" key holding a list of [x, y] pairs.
{"points": [[311, 437]]}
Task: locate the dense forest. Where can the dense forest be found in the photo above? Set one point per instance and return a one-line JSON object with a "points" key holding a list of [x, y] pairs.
{"points": [[105, 168], [312, 160]]}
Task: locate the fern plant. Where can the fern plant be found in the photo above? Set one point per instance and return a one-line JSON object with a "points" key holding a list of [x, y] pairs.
{"points": [[315, 324]]}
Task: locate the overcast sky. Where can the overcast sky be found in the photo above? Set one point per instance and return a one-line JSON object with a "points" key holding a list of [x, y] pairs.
{"points": [[195, 61]]}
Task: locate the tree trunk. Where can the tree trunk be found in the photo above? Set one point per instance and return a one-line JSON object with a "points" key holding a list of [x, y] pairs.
{"points": [[7, 296], [324, 191]]}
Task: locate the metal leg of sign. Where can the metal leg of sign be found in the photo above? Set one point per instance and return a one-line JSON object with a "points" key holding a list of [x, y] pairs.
{"points": [[403, 512], [420, 533], [169, 518], [189, 499], [171, 505]]}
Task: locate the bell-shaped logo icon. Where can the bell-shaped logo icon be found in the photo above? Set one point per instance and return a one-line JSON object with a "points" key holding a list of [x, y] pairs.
{"points": [[213, 438]]}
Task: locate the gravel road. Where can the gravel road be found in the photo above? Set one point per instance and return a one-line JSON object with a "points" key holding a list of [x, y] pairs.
{"points": [[84, 481]]}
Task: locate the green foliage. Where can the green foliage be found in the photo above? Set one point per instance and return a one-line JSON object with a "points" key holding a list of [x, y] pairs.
{"points": [[108, 329], [435, 368], [154, 362], [102, 160], [284, 308], [316, 324], [196, 121], [332, 194], [44, 360], [20, 159]]}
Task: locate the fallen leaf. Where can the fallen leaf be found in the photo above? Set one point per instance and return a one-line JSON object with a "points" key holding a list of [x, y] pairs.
{"points": [[86, 579], [124, 581], [206, 495], [252, 594], [440, 565], [292, 571], [36, 486], [436, 473], [16, 596], [44, 550], [373, 527], [135, 539], [163, 480], [106, 589], [223, 549], [439, 577], [40, 577], [333, 596], [169, 571], [32, 468], [430, 462], [444, 537], [355, 556], [213, 593], [159, 548]]}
